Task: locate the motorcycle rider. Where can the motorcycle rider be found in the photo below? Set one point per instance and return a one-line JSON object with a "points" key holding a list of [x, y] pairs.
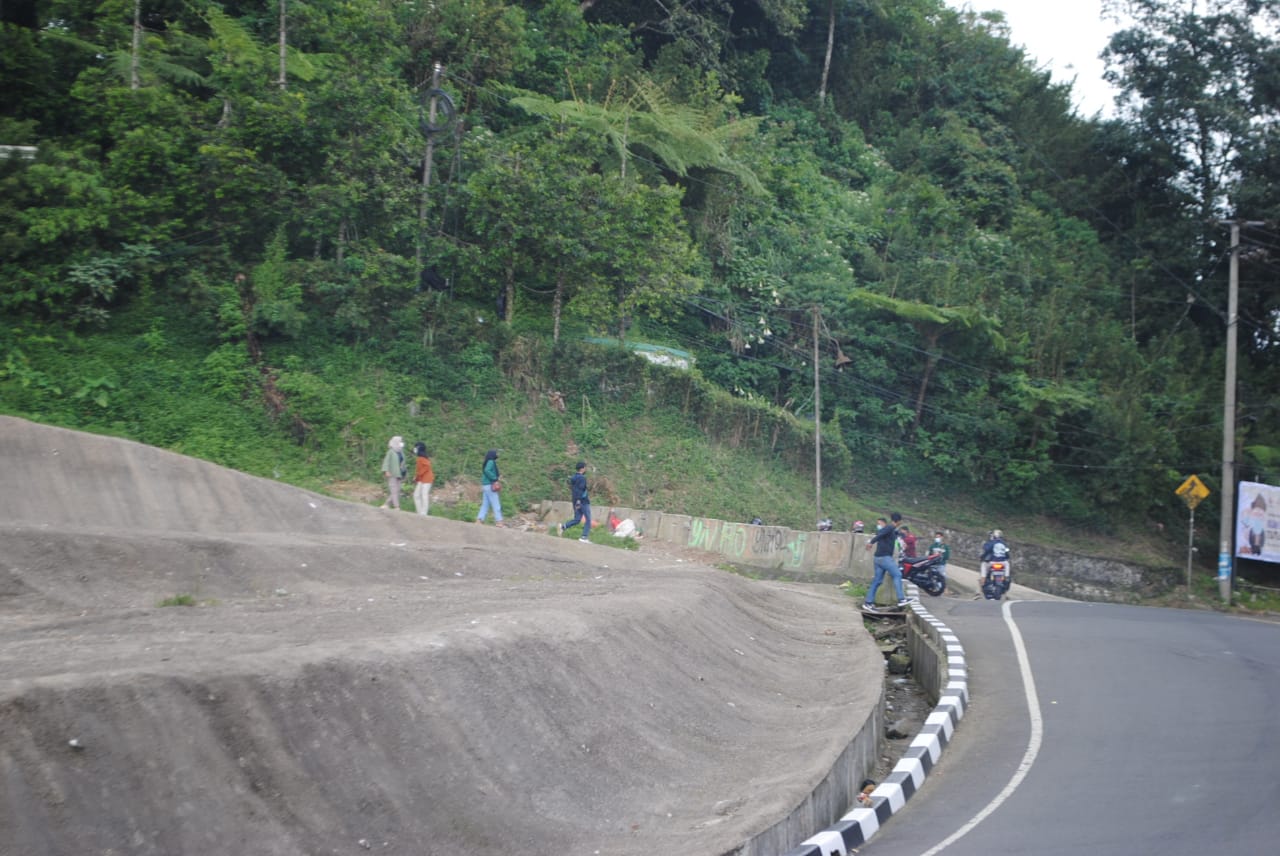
{"points": [[994, 549]]}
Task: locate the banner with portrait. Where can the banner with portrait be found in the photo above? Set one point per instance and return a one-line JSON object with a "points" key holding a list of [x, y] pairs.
{"points": [[1258, 522]]}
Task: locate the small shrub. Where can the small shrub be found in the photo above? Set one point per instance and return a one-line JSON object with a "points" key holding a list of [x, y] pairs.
{"points": [[179, 600], [465, 511], [622, 543], [854, 590]]}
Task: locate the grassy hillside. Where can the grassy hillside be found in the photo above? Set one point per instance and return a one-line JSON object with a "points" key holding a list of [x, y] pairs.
{"points": [[321, 414]]}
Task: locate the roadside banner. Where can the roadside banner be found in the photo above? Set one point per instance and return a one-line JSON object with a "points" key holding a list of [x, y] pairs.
{"points": [[1258, 522]]}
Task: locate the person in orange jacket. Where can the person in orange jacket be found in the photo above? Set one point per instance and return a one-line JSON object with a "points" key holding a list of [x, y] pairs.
{"points": [[423, 477]]}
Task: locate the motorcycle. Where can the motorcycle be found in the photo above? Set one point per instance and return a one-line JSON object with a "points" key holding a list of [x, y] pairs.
{"points": [[997, 583], [923, 572]]}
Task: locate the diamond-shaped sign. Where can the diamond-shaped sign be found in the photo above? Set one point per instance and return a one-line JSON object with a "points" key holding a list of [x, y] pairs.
{"points": [[1192, 491]]}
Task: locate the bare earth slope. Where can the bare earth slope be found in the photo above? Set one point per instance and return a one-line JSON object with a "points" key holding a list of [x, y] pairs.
{"points": [[356, 679]]}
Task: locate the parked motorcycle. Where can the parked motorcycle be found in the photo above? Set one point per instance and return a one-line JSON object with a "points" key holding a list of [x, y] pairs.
{"points": [[923, 571], [998, 581]]}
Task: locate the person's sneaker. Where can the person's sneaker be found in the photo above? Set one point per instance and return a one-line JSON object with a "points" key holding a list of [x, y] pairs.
{"points": [[585, 540], [908, 601], [559, 528], [871, 606]]}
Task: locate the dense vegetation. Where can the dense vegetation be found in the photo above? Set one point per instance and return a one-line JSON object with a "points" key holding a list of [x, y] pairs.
{"points": [[311, 224]]}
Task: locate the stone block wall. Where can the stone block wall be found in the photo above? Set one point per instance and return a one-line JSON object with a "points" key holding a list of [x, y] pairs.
{"points": [[1073, 575]]}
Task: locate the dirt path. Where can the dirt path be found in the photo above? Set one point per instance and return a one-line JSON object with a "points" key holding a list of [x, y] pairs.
{"points": [[353, 679]]}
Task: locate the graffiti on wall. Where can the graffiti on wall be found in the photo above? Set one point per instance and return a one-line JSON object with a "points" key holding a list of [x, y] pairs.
{"points": [[768, 544]]}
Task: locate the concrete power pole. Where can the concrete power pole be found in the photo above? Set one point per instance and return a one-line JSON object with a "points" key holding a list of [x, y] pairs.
{"points": [[817, 418], [1227, 523]]}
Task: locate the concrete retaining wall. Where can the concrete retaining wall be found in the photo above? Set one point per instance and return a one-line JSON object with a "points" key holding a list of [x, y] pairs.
{"points": [[937, 661], [942, 670], [837, 556], [928, 657], [817, 556], [831, 798]]}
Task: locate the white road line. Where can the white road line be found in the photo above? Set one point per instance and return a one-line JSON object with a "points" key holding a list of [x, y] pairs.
{"points": [[1033, 745]]}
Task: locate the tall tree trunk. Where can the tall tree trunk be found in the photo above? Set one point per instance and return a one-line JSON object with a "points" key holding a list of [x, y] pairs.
{"points": [[248, 303], [283, 81], [557, 304], [831, 40], [135, 79], [626, 126], [509, 291], [930, 360], [427, 158]]}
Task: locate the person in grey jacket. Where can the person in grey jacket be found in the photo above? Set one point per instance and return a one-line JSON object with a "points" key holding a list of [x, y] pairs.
{"points": [[393, 471]]}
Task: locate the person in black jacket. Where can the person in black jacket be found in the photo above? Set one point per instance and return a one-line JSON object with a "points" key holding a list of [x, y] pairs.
{"points": [[581, 502], [883, 542]]}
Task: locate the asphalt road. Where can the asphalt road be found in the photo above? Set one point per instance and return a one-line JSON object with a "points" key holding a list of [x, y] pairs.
{"points": [[1131, 730]]}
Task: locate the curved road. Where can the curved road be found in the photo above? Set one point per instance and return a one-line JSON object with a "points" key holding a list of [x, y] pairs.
{"points": [[1121, 731]]}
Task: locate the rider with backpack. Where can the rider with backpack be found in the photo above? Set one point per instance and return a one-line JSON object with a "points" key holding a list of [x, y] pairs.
{"points": [[994, 549]]}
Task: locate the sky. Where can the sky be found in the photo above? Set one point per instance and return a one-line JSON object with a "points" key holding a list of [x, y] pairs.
{"points": [[1063, 37]]}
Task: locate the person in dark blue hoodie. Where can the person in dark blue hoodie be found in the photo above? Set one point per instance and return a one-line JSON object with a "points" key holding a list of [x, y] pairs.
{"points": [[581, 502]]}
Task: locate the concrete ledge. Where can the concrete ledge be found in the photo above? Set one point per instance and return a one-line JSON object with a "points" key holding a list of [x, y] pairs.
{"points": [[937, 660], [830, 798], [942, 664]]}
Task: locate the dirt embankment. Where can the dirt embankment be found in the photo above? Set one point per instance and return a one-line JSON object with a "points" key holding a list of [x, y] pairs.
{"points": [[355, 679]]}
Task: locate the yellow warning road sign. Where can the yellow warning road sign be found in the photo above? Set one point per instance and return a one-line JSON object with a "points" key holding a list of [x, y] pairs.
{"points": [[1192, 491]]}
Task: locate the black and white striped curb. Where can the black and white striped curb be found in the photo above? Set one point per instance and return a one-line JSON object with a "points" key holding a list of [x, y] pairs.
{"points": [[857, 827]]}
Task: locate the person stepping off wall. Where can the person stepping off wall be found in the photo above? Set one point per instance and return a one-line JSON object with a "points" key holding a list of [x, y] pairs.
{"points": [[581, 503]]}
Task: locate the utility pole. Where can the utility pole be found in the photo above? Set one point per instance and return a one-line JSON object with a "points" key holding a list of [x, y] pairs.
{"points": [[817, 418], [1191, 547], [1227, 522], [426, 166]]}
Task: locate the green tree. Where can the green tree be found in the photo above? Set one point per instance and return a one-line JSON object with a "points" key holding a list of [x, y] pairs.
{"points": [[1197, 77], [601, 247], [681, 136]]}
